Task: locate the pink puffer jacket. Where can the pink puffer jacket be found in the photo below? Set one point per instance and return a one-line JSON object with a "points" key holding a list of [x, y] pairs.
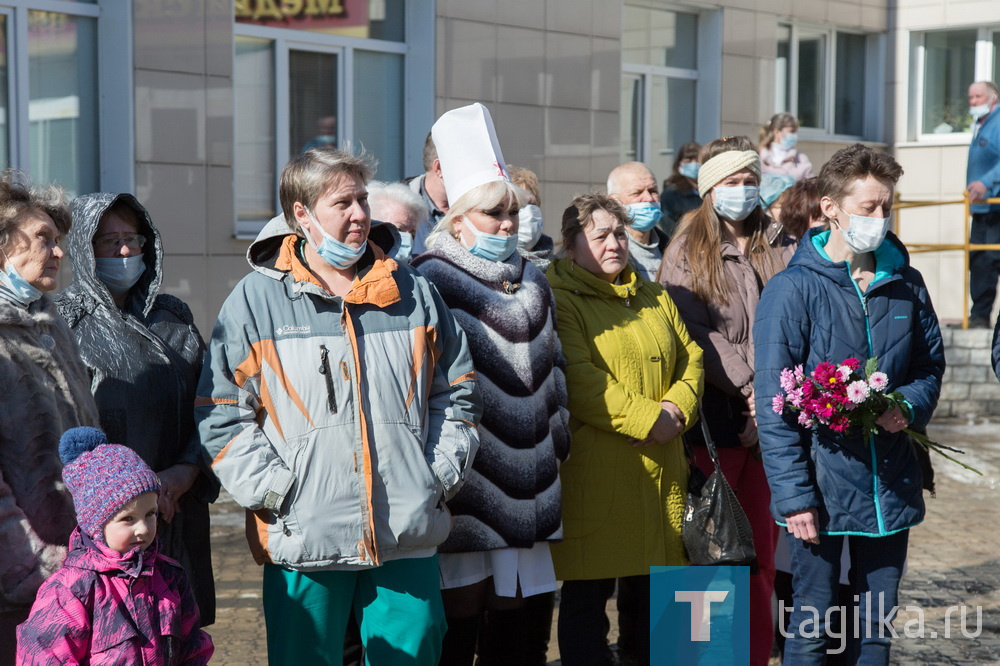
{"points": [[106, 608]]}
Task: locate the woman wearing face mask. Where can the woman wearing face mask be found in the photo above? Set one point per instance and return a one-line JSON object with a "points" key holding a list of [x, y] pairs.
{"points": [[714, 270], [848, 292], [497, 554], [778, 152], [534, 245], [46, 390], [680, 190], [339, 406], [398, 205], [144, 355]]}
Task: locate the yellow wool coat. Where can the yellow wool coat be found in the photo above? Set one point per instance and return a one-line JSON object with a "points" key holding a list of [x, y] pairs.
{"points": [[626, 349]]}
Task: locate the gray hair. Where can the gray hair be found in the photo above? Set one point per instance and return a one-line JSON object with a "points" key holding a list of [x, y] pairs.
{"points": [[382, 196], [989, 85], [482, 197], [615, 177], [19, 199], [307, 176]]}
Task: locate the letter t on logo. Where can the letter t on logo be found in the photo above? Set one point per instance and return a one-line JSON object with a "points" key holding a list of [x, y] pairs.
{"points": [[698, 599]]}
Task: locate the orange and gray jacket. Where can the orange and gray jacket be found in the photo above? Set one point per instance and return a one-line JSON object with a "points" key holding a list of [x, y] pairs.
{"points": [[340, 424]]}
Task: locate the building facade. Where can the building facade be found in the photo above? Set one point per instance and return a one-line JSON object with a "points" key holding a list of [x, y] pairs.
{"points": [[195, 105]]}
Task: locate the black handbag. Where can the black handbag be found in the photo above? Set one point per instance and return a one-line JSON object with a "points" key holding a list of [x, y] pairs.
{"points": [[715, 529]]}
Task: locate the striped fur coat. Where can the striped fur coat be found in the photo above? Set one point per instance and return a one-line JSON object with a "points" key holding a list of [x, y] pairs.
{"points": [[512, 498]]}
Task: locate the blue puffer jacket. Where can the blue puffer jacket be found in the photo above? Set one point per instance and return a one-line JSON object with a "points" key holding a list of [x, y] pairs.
{"points": [[812, 312]]}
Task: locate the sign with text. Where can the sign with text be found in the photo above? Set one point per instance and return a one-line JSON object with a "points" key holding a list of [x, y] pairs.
{"points": [[699, 616]]}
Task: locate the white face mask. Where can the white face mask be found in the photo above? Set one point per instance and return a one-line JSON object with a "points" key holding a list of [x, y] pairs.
{"points": [[529, 226], [979, 111], [736, 203], [866, 233]]}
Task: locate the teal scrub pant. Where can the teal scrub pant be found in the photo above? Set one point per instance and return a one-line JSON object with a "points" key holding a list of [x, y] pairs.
{"points": [[397, 605]]}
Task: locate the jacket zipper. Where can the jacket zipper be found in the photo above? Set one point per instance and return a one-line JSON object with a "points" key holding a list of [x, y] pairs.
{"points": [[324, 369], [871, 440]]}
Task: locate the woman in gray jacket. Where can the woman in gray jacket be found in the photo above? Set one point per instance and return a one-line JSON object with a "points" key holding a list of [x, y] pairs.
{"points": [[339, 406]]}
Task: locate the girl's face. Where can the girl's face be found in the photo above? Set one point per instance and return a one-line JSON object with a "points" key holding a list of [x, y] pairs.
{"points": [[133, 526]]}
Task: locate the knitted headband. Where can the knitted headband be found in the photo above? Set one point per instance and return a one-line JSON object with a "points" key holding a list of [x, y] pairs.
{"points": [[101, 477], [724, 164]]}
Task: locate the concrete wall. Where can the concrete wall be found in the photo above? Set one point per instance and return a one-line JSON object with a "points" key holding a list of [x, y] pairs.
{"points": [[550, 74], [935, 170], [970, 387], [184, 145]]}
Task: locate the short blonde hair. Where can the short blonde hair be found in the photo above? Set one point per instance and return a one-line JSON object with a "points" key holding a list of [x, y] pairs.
{"points": [[307, 176], [481, 197]]}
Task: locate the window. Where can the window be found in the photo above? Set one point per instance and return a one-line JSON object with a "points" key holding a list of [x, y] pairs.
{"points": [[49, 112], [823, 78], [660, 80], [315, 74], [944, 64]]}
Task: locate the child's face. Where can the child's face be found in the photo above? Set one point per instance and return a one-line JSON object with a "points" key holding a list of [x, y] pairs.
{"points": [[133, 525]]}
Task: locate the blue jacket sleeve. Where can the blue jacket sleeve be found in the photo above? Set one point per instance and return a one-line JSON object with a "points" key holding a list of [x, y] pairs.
{"points": [[781, 340], [923, 385]]}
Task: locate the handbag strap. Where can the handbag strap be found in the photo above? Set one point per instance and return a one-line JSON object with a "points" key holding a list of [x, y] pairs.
{"points": [[709, 442]]}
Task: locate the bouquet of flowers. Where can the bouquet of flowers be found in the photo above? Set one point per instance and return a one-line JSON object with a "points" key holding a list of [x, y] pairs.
{"points": [[845, 396]]}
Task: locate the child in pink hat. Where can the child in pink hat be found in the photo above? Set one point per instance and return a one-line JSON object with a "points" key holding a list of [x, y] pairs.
{"points": [[115, 599]]}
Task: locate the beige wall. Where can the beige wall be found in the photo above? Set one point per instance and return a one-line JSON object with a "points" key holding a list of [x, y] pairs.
{"points": [[934, 171], [184, 145], [550, 74]]}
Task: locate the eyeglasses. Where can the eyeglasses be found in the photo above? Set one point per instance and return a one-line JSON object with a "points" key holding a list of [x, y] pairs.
{"points": [[110, 243]]}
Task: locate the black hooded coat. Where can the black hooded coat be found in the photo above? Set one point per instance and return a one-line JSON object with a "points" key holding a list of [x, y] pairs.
{"points": [[144, 361]]}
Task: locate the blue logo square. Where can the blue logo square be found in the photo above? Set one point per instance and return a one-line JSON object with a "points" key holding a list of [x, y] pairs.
{"points": [[699, 615]]}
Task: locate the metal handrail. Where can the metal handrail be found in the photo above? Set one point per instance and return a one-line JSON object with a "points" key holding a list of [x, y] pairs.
{"points": [[967, 246]]}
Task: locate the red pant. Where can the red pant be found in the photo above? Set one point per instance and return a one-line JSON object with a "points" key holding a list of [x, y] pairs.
{"points": [[746, 475]]}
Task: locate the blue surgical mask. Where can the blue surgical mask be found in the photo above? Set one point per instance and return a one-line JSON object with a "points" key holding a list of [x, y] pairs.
{"points": [[15, 284], [339, 255], [405, 250], [736, 203], [865, 233], [529, 226], [119, 274], [789, 141], [689, 170], [491, 247], [644, 216]]}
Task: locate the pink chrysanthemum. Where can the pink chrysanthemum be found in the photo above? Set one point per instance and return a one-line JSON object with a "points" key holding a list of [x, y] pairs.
{"points": [[825, 374], [844, 372], [795, 398], [799, 374], [787, 380], [778, 403], [857, 392], [805, 420], [878, 381]]}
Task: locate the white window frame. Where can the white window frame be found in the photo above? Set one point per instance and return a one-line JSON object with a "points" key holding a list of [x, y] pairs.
{"points": [[115, 110], [982, 71], [418, 78], [707, 78], [875, 59]]}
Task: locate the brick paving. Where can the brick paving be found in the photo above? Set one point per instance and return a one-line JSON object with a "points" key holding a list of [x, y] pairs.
{"points": [[954, 559]]}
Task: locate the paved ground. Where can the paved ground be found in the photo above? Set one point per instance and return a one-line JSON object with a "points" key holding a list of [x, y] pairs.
{"points": [[954, 560]]}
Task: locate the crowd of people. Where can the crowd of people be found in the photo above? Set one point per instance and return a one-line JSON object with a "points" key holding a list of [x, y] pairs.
{"points": [[434, 414]]}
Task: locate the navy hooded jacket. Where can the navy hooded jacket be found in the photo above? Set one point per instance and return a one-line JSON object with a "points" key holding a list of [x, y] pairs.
{"points": [[813, 312]]}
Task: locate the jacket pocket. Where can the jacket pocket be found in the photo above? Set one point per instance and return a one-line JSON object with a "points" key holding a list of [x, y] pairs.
{"points": [[416, 515]]}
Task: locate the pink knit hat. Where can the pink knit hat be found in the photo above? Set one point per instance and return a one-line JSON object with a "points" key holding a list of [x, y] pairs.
{"points": [[102, 477]]}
